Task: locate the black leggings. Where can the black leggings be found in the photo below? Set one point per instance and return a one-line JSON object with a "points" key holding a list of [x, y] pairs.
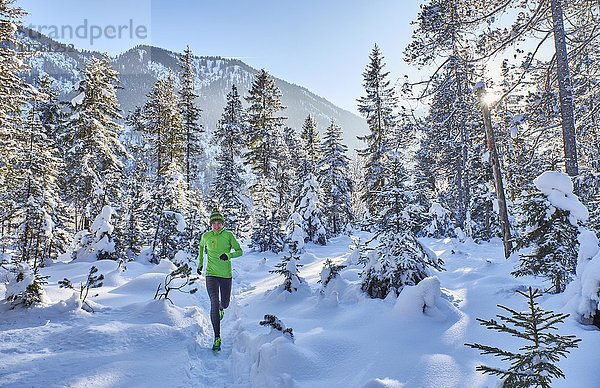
{"points": [[213, 285]]}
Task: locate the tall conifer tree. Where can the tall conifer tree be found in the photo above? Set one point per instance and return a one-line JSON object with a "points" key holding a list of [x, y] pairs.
{"points": [[377, 106], [228, 189], [264, 139], [190, 114], [91, 136], [335, 181]]}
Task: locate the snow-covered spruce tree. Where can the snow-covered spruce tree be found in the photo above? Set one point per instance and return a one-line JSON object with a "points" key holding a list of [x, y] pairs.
{"points": [[97, 243], [398, 259], [329, 272], [551, 217], [309, 208], [170, 196], [285, 178], [38, 206], [25, 286], [228, 189], [91, 138], [377, 106], [163, 125], [197, 217], [405, 138], [134, 227], [535, 365], [190, 114], [423, 197], [295, 234], [356, 173], [296, 151], [288, 268], [164, 130], [52, 118], [296, 164], [264, 127], [14, 93], [440, 225], [266, 234], [263, 139], [336, 183], [311, 145]]}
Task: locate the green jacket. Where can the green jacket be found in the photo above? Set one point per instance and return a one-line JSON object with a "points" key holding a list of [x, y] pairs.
{"points": [[216, 244]]}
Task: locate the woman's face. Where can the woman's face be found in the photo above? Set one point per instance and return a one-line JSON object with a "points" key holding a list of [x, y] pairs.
{"points": [[217, 226]]}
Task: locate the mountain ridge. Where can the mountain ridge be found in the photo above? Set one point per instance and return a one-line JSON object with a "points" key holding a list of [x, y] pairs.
{"points": [[141, 66]]}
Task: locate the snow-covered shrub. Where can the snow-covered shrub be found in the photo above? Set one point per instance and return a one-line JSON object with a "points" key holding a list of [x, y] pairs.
{"points": [[310, 212], [440, 225], [295, 234], [98, 242], [92, 281], [399, 260], [25, 286], [288, 268], [276, 324], [183, 272], [552, 217], [535, 365], [329, 272]]}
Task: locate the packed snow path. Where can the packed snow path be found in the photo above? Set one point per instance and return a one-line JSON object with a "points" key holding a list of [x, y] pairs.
{"points": [[342, 338]]}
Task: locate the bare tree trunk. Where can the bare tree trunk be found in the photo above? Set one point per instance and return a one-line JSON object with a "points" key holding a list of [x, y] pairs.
{"points": [[565, 90], [495, 161]]}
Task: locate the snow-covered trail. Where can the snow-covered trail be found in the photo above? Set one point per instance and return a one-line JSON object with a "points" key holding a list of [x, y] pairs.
{"points": [[122, 344], [342, 338]]}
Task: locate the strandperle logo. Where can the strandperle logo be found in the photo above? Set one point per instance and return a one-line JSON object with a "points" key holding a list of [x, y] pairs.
{"points": [[90, 32]]}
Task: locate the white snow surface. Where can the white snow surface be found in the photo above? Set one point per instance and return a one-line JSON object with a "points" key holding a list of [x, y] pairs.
{"points": [[558, 187], [342, 338], [78, 99]]}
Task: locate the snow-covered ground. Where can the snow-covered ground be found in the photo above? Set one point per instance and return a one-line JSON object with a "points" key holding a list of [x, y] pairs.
{"points": [[341, 337]]}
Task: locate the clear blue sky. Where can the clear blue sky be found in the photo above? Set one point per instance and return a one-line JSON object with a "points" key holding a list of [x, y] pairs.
{"points": [[322, 45]]}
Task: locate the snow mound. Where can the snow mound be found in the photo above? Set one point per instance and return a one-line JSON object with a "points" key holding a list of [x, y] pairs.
{"points": [[414, 301]]}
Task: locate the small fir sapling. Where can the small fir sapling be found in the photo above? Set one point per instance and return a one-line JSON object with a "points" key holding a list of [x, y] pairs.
{"points": [[288, 268], [329, 272], [26, 289], [276, 324], [534, 365], [183, 272], [358, 255], [92, 281]]}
